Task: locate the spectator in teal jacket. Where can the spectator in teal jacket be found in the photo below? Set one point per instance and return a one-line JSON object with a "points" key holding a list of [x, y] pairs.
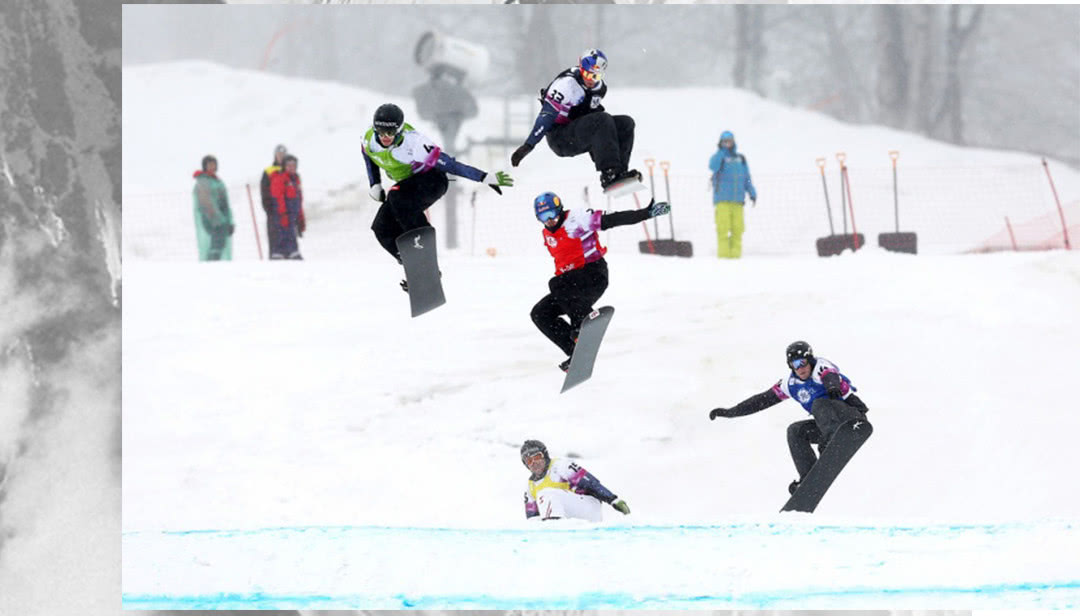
{"points": [[731, 182], [213, 218]]}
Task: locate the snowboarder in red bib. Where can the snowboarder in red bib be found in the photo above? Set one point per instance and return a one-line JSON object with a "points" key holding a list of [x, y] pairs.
{"points": [[574, 121], [581, 273]]}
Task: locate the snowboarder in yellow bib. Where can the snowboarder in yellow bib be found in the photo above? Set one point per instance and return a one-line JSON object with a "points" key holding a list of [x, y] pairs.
{"points": [[562, 489]]}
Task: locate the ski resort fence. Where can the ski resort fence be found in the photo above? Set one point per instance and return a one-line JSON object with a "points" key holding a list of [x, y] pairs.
{"points": [[952, 209]]}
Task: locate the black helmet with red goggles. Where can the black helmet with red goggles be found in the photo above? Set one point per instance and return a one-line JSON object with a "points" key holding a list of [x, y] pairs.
{"points": [[531, 448]]}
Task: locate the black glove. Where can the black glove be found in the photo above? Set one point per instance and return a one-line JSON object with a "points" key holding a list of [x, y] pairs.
{"points": [[232, 228], [658, 209], [519, 154], [720, 412], [833, 384]]}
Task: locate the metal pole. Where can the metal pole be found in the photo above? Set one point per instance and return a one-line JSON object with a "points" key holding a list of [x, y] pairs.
{"points": [[1012, 237], [1061, 212], [828, 208], [665, 165], [652, 249], [472, 203], [893, 154], [851, 204], [840, 156], [652, 190], [254, 225]]}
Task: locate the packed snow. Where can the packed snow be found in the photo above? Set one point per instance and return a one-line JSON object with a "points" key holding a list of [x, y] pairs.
{"points": [[292, 439]]}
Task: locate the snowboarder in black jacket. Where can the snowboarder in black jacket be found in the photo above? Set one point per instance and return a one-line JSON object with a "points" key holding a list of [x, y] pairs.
{"points": [[574, 121], [818, 385]]}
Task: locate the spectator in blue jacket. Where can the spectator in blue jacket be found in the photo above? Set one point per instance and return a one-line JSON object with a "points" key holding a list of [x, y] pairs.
{"points": [[731, 182]]}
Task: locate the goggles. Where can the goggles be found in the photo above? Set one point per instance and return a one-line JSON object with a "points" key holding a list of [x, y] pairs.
{"points": [[386, 131], [547, 215], [592, 75], [536, 457], [799, 362]]}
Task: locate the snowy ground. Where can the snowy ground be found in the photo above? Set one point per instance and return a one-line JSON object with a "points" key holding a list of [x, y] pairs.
{"points": [[954, 198], [293, 439], [302, 395]]}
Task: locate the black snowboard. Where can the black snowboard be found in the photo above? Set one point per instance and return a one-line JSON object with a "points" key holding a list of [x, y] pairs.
{"points": [[588, 345], [847, 440], [417, 250]]}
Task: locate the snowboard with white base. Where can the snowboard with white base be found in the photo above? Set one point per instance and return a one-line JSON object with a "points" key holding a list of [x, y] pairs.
{"points": [[624, 187]]}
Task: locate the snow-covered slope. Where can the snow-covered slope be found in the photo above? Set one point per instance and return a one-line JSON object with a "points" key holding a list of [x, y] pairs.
{"points": [[288, 413], [954, 197], [301, 394]]}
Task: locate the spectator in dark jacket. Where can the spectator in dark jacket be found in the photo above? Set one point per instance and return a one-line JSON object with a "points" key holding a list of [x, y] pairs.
{"points": [[287, 216], [267, 198]]}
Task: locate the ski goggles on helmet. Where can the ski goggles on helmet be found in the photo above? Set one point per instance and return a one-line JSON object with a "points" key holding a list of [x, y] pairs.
{"points": [[799, 362], [384, 130], [532, 456], [547, 215], [592, 75]]}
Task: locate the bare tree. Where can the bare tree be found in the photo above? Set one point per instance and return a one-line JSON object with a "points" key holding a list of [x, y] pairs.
{"points": [[894, 68], [749, 47], [952, 103], [841, 67], [926, 43], [537, 63]]}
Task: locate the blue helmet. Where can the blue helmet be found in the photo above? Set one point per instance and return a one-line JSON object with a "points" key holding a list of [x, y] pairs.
{"points": [[547, 206], [593, 61]]}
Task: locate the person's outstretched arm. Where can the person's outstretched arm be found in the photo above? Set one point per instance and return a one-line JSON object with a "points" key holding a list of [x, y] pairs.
{"points": [[584, 482], [751, 405], [630, 217]]}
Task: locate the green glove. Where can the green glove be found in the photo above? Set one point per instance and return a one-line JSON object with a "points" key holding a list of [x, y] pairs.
{"points": [[621, 506], [498, 179]]}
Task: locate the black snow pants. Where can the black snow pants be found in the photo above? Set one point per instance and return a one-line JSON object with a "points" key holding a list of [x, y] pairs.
{"points": [[828, 415], [608, 139], [403, 209], [572, 294]]}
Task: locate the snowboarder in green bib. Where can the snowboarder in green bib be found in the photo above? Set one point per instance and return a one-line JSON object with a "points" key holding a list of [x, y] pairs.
{"points": [[418, 169]]}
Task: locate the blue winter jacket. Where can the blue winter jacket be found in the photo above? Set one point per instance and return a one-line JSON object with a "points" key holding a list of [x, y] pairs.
{"points": [[731, 176]]}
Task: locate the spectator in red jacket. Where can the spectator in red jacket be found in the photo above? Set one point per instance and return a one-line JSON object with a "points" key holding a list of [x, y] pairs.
{"points": [[267, 198], [287, 213]]}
